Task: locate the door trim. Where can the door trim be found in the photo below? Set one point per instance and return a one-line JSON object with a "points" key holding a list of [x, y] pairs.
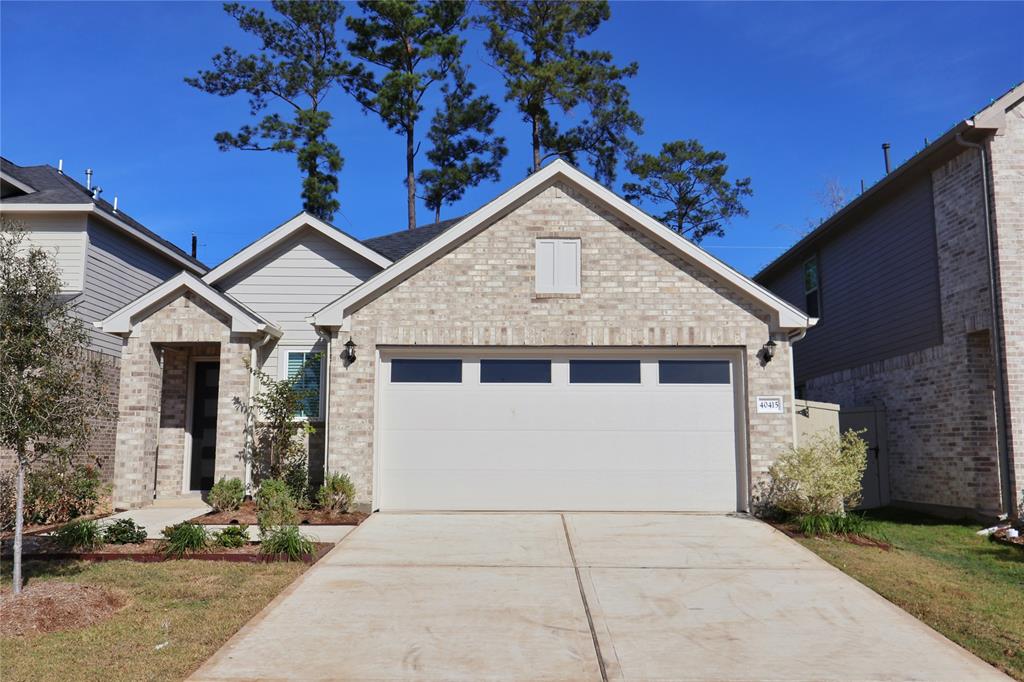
{"points": [[190, 384]]}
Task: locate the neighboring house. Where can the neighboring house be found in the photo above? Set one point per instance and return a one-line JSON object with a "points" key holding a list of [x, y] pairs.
{"points": [[901, 279], [106, 259], [556, 349]]}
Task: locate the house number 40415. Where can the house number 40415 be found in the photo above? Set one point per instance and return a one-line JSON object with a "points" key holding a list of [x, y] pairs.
{"points": [[769, 404]]}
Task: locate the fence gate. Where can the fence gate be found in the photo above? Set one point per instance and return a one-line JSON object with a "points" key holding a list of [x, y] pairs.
{"points": [[870, 420]]}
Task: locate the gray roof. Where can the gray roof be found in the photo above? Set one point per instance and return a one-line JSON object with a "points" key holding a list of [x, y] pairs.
{"points": [[53, 187], [400, 244]]}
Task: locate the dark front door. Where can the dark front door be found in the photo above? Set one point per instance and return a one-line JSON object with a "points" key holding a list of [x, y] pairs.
{"points": [[204, 424]]}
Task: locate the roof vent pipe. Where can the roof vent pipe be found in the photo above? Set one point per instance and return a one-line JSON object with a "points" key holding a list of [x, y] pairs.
{"points": [[115, 204], [88, 178], [194, 244], [885, 152], [96, 192], [60, 166]]}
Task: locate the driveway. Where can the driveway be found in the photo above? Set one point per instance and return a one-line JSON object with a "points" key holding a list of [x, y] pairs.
{"points": [[590, 596]]}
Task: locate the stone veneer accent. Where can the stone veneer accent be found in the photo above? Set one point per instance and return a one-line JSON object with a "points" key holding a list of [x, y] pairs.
{"points": [[150, 435], [635, 293], [940, 402], [1007, 168]]}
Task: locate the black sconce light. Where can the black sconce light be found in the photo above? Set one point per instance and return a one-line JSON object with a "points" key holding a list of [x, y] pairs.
{"points": [[349, 354], [768, 351]]}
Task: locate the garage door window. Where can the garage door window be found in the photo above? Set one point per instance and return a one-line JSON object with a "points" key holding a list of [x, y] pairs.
{"points": [[426, 371], [693, 372], [604, 371], [515, 371]]}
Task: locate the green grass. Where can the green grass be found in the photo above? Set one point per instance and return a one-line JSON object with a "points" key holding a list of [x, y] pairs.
{"points": [[194, 605], [963, 585]]}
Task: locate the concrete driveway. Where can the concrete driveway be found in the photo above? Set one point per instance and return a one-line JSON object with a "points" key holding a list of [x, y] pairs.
{"points": [[582, 597]]}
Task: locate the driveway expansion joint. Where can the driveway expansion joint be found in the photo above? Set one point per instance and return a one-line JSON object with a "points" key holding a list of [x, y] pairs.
{"points": [[583, 596]]}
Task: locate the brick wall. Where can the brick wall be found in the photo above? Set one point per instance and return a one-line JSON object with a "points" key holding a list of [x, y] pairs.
{"points": [[634, 293], [939, 402], [1007, 168]]}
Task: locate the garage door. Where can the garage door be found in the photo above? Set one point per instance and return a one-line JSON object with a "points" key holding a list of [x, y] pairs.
{"points": [[574, 432]]}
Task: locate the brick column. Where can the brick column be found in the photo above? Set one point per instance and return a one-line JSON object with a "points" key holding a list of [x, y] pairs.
{"points": [[139, 404], [234, 389]]}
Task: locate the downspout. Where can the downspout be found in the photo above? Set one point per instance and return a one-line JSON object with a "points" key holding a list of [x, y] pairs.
{"points": [[1002, 454], [326, 336], [250, 426]]}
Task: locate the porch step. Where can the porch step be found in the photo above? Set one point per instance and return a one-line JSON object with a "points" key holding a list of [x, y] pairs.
{"points": [[190, 500]]}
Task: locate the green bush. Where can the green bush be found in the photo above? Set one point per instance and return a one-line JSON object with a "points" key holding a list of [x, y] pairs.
{"points": [[232, 536], [831, 524], [287, 541], [185, 538], [79, 535], [275, 505], [124, 532], [336, 494], [227, 494], [821, 477], [59, 492]]}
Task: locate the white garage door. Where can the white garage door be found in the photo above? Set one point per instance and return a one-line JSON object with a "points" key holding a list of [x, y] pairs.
{"points": [[573, 432]]}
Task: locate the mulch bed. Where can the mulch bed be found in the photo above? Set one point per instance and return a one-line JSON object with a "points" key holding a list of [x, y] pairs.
{"points": [[246, 514], [152, 551], [860, 540], [36, 529], [1000, 536], [52, 605]]}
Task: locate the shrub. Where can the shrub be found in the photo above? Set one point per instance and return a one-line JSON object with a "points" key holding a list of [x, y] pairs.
{"points": [[59, 492], [831, 524], [819, 478], [336, 494], [185, 538], [232, 536], [286, 540], [8, 501], [227, 494], [275, 505], [79, 535], [124, 532]]}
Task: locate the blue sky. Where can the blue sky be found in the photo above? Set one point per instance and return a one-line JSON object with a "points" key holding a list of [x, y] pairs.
{"points": [[795, 94]]}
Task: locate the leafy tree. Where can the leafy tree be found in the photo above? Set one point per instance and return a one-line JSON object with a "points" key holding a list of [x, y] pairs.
{"points": [[465, 151], [409, 46], [49, 392], [533, 46], [276, 445], [296, 67], [688, 184]]}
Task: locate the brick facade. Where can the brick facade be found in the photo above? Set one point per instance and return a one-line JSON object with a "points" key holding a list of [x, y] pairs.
{"points": [[150, 454], [635, 293]]}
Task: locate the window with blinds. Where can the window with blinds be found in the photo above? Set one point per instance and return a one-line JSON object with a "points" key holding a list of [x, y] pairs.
{"points": [[307, 367]]}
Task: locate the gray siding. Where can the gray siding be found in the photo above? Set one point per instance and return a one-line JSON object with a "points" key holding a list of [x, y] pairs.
{"points": [[118, 270], [879, 287], [294, 280]]}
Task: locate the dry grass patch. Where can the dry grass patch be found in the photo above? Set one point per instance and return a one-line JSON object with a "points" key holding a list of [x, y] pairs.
{"points": [[965, 586], [177, 614]]}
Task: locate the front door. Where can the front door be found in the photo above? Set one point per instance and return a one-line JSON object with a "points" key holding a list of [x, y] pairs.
{"points": [[204, 424]]}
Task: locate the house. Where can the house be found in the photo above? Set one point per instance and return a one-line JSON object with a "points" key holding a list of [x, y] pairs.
{"points": [[555, 349], [106, 259], [919, 287]]}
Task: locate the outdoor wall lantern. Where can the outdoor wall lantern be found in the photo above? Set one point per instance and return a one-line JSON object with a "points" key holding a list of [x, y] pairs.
{"points": [[349, 354], [768, 351]]}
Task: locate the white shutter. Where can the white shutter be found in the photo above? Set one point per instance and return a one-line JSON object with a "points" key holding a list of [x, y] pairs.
{"points": [[558, 266]]}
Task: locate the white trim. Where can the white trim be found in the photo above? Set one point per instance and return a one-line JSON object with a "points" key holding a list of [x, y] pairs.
{"points": [[242, 320], [282, 232], [784, 315], [94, 210], [11, 180]]}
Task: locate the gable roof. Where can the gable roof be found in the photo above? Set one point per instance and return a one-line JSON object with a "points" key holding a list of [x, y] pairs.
{"points": [[988, 119], [785, 316], [243, 319], [51, 190], [281, 233], [400, 244]]}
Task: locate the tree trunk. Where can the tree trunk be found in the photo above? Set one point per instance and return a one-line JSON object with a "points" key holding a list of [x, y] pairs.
{"points": [[410, 176], [437, 215], [19, 522], [536, 146]]}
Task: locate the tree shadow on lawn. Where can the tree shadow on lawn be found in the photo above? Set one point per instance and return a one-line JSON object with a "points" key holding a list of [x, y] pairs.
{"points": [[41, 569]]}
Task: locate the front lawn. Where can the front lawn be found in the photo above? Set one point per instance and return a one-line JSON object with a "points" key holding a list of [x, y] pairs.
{"points": [[963, 585], [178, 613]]}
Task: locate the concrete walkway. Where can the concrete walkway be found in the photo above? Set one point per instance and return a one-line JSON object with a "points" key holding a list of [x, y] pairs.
{"points": [[582, 597]]}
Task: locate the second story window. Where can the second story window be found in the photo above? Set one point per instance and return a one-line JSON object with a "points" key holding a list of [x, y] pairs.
{"points": [[558, 266], [812, 288]]}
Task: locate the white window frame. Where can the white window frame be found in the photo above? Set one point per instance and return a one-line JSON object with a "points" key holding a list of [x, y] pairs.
{"points": [[283, 354], [542, 287]]}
